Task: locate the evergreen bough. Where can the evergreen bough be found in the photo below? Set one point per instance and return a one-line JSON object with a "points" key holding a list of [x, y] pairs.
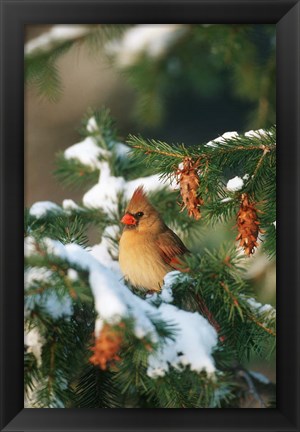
{"points": [[61, 309]]}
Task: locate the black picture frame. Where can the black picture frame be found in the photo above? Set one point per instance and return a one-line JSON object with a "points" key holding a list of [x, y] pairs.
{"points": [[16, 14]]}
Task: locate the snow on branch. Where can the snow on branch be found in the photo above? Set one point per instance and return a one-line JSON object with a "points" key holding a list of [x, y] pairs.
{"points": [[261, 309], [235, 184], [41, 208], [193, 345], [151, 39], [57, 34], [87, 152], [104, 195], [227, 136], [222, 139], [194, 338]]}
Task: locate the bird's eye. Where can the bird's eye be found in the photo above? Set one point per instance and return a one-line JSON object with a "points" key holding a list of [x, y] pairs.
{"points": [[139, 214]]}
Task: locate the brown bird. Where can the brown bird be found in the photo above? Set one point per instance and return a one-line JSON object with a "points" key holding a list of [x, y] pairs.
{"points": [[148, 248]]}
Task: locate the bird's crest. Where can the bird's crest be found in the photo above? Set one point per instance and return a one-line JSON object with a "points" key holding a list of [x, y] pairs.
{"points": [[138, 200]]}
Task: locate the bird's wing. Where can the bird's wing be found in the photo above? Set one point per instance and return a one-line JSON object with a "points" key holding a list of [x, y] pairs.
{"points": [[171, 247]]}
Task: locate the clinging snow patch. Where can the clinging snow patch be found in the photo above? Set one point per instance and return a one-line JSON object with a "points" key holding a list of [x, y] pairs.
{"points": [[58, 33], [41, 208], [151, 39], [235, 184], [105, 193], [193, 345], [194, 338], [87, 152]]}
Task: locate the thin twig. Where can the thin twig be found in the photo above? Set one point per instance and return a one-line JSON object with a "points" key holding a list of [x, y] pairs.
{"points": [[265, 151], [251, 317], [267, 329], [148, 151], [234, 299], [230, 150], [52, 363], [252, 389]]}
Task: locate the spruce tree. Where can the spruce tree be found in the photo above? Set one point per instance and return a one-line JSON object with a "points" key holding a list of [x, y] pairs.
{"points": [[91, 339]]}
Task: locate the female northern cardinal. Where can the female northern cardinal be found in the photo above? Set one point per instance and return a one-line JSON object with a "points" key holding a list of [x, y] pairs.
{"points": [[148, 248]]}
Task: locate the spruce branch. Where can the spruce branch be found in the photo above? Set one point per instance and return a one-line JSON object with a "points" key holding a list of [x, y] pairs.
{"points": [[42, 54], [236, 304], [233, 298], [59, 267], [148, 150], [74, 174], [261, 325], [225, 146], [212, 159]]}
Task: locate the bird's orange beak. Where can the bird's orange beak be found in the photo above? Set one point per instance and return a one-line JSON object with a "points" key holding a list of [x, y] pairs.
{"points": [[128, 219]]}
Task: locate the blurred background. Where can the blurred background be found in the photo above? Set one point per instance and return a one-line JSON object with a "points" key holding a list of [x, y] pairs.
{"points": [[177, 83]]}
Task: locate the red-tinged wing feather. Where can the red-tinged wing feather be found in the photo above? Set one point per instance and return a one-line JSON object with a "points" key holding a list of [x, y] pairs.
{"points": [[171, 248]]}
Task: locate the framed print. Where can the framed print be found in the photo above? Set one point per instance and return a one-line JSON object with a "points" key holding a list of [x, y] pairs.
{"points": [[154, 148]]}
